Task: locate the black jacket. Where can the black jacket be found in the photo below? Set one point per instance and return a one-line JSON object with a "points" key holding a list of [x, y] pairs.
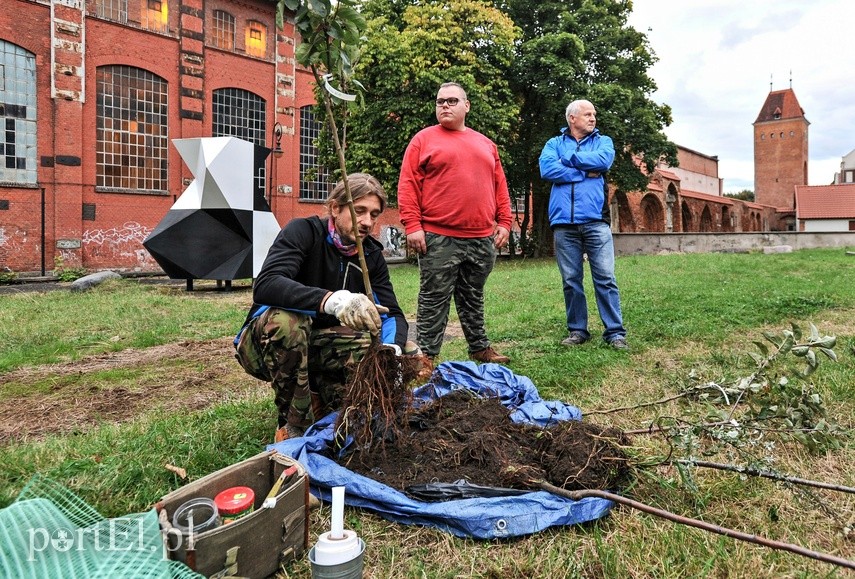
{"points": [[303, 265]]}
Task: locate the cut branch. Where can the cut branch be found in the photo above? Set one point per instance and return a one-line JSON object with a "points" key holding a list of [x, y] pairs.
{"points": [[642, 405], [766, 474], [732, 533]]}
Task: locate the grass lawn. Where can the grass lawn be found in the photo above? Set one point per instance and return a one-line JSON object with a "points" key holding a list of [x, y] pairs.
{"points": [[99, 390]]}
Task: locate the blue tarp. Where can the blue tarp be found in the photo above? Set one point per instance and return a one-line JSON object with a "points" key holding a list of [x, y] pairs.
{"points": [[482, 518]]}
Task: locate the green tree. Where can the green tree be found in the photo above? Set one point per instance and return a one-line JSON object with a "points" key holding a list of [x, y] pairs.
{"points": [[744, 195], [574, 49], [409, 51]]}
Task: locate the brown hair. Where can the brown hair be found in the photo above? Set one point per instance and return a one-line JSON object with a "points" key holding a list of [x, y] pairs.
{"points": [[361, 184]]}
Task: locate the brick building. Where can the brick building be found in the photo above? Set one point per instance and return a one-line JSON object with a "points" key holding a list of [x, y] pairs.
{"points": [[687, 198], [780, 153], [92, 92]]}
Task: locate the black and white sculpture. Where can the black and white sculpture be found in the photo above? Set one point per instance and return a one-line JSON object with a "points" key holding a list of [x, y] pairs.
{"points": [[221, 227]]}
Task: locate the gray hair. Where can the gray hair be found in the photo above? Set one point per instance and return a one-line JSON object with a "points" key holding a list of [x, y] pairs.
{"points": [[573, 108]]}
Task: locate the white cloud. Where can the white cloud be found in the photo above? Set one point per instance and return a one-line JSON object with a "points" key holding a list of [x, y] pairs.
{"points": [[718, 58]]}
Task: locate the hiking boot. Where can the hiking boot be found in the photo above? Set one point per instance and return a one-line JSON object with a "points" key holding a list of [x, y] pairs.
{"points": [[574, 339], [286, 432], [489, 355], [619, 344]]}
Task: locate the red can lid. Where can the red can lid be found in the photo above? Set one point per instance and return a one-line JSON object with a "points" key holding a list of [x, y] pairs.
{"points": [[234, 500]]}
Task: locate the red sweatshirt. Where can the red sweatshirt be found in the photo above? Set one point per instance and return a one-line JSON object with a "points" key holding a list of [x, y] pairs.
{"points": [[452, 184]]}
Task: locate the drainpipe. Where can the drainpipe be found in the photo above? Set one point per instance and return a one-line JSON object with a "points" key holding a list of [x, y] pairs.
{"points": [[44, 240]]}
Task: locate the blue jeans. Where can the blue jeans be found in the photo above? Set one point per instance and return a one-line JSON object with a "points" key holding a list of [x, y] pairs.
{"points": [[595, 239]]}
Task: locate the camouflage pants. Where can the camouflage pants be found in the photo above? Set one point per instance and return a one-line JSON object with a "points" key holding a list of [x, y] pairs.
{"points": [[458, 268], [282, 348]]}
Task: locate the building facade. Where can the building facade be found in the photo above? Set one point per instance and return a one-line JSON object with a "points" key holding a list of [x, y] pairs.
{"points": [[780, 153], [847, 170], [92, 93]]}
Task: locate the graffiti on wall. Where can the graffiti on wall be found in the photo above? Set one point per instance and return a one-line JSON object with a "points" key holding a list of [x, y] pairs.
{"points": [[12, 243], [122, 242], [394, 241]]}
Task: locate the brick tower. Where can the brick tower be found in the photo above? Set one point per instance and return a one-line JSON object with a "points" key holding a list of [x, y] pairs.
{"points": [[780, 150]]}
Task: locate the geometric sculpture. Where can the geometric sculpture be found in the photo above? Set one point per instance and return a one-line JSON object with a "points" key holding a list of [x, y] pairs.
{"points": [[221, 227]]}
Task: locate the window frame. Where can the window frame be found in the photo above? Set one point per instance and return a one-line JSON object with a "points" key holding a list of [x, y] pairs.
{"points": [[19, 115], [121, 120], [315, 185], [220, 19]]}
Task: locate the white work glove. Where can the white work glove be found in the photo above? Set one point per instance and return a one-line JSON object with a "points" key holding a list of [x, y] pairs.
{"points": [[354, 310]]}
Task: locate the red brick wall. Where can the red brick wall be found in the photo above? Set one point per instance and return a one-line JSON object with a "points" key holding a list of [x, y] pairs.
{"points": [[697, 163], [780, 161], [20, 224], [66, 126]]}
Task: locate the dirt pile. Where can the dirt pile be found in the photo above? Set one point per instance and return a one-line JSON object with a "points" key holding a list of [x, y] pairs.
{"points": [[464, 437]]}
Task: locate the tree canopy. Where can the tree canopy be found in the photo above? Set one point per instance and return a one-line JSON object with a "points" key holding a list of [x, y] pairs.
{"points": [[583, 49], [410, 49], [744, 195], [521, 62]]}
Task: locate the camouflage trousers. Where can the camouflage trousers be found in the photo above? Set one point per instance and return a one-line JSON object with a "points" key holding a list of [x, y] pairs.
{"points": [[282, 348], [458, 268]]}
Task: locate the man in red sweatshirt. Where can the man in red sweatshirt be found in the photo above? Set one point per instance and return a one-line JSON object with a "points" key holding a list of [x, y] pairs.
{"points": [[454, 204]]}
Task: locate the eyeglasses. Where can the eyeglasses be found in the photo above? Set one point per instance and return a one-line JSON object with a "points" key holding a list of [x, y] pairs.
{"points": [[451, 101]]}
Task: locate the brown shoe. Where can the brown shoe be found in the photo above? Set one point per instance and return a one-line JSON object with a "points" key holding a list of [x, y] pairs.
{"points": [[489, 355]]}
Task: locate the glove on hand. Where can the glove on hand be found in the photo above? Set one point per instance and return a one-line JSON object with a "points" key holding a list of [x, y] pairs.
{"points": [[354, 310]]}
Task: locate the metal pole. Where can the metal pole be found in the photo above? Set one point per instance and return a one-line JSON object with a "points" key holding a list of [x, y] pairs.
{"points": [[44, 241]]}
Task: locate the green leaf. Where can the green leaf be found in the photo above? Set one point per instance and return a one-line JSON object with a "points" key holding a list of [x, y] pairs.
{"points": [[811, 358], [763, 347], [797, 331], [788, 342], [830, 353], [320, 7], [814, 333]]}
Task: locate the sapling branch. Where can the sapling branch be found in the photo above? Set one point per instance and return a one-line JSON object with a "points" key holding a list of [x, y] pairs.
{"points": [[765, 474], [339, 149], [703, 525]]}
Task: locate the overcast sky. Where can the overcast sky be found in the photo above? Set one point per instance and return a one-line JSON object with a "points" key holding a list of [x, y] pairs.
{"points": [[718, 57]]}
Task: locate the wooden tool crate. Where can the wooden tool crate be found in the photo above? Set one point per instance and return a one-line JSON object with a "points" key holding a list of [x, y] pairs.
{"points": [[255, 544]]}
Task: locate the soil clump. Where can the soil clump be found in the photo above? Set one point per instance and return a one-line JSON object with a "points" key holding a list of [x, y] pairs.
{"points": [[464, 437]]}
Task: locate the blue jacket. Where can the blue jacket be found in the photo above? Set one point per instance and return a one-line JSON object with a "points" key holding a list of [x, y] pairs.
{"points": [[577, 197]]}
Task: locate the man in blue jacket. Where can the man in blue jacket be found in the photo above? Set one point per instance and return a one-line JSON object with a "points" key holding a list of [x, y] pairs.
{"points": [[575, 162]]}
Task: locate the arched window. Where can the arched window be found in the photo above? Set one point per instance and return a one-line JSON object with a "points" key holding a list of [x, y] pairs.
{"points": [[256, 39], [314, 177], [223, 30], [18, 114], [242, 114], [132, 140]]}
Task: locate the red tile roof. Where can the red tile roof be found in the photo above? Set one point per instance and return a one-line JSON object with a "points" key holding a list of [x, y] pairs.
{"points": [[707, 197], [825, 201], [780, 104], [668, 174]]}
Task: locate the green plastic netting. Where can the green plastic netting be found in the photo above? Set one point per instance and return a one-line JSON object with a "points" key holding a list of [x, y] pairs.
{"points": [[50, 532]]}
